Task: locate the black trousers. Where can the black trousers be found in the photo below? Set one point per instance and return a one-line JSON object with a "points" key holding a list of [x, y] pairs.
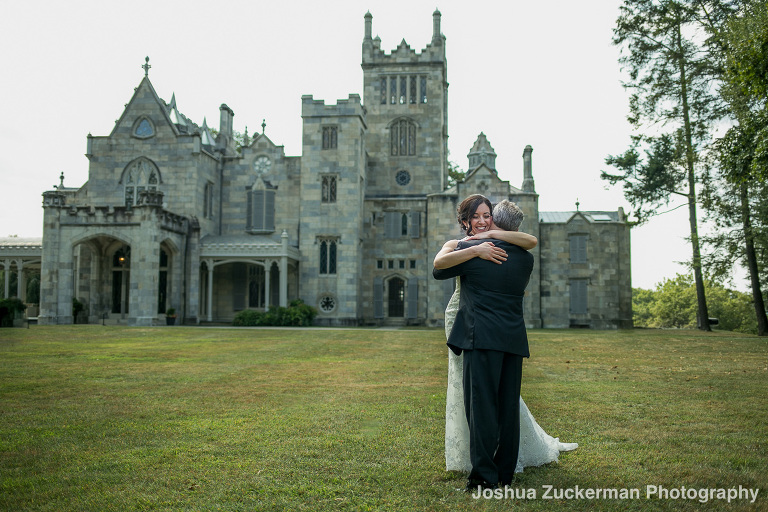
{"points": [[492, 402]]}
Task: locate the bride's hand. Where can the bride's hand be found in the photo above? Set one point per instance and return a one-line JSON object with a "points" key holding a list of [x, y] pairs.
{"points": [[479, 236], [490, 252]]}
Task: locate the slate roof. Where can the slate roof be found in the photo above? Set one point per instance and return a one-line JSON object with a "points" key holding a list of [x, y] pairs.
{"points": [[563, 217]]}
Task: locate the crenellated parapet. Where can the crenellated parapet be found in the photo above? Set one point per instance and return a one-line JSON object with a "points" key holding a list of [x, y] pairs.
{"points": [[349, 107], [403, 54], [149, 209]]}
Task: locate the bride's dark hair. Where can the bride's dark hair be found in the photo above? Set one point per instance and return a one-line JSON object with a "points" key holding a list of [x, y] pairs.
{"points": [[467, 209]]}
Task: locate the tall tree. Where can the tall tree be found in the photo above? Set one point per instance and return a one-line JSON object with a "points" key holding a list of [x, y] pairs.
{"points": [[672, 107], [738, 198]]}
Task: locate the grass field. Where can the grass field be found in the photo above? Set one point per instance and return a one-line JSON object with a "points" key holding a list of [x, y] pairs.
{"points": [[97, 418]]}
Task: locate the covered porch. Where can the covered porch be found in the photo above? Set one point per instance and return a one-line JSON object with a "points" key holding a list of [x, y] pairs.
{"points": [[240, 272]]}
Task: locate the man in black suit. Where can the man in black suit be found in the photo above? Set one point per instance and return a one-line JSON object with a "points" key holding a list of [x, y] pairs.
{"points": [[490, 330]]}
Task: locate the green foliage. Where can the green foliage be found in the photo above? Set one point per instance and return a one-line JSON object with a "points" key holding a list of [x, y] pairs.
{"points": [[170, 312], [674, 105], [9, 309], [77, 306], [673, 305], [455, 174], [296, 314]]}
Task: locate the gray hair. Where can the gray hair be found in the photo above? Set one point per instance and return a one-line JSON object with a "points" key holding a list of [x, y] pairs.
{"points": [[507, 215]]}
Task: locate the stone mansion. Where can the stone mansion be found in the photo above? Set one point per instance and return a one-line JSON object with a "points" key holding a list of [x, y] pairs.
{"points": [[175, 216]]}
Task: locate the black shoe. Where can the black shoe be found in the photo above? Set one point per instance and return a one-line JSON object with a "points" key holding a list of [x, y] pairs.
{"points": [[505, 481], [473, 484]]}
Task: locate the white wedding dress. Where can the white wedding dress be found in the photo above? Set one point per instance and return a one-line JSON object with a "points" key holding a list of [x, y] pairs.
{"points": [[536, 446]]}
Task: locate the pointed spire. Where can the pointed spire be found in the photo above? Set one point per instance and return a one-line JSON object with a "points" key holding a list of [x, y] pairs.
{"points": [[246, 141], [263, 125], [206, 136], [173, 113], [146, 67]]}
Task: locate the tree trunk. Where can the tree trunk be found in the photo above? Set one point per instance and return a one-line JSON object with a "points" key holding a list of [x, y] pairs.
{"points": [[701, 299], [754, 277]]}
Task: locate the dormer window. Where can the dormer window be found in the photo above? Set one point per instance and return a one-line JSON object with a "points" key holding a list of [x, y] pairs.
{"points": [[260, 209], [143, 128]]}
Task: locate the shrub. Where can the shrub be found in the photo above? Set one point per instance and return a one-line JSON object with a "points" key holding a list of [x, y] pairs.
{"points": [[8, 310], [296, 314], [246, 317]]}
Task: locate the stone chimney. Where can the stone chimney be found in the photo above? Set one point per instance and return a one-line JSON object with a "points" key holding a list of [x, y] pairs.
{"points": [[437, 38], [528, 185]]}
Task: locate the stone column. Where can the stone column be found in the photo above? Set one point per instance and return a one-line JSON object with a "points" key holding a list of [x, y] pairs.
{"points": [[284, 270], [65, 289], [209, 264], [20, 292], [145, 269], [6, 278], [267, 276]]}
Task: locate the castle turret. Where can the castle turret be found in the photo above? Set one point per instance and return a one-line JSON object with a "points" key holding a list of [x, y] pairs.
{"points": [[482, 153]]}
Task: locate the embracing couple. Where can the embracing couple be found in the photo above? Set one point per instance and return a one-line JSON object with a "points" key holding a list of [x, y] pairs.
{"points": [[489, 430]]}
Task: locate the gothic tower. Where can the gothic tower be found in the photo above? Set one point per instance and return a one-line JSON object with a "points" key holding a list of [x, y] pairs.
{"points": [[405, 95]]}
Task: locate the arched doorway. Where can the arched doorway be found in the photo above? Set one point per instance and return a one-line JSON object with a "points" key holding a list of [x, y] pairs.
{"points": [[121, 279], [396, 297]]}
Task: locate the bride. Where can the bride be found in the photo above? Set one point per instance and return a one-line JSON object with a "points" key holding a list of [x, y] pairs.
{"points": [[536, 446]]}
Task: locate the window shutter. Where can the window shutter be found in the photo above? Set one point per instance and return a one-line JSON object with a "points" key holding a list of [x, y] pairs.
{"points": [[415, 230], [257, 207], [261, 210], [578, 248], [413, 298], [378, 298], [269, 210], [393, 225], [578, 296], [249, 211]]}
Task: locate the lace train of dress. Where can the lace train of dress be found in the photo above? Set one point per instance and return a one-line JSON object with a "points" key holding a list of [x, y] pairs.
{"points": [[536, 446]]}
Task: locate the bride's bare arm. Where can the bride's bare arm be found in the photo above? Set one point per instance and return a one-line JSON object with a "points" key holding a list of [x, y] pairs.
{"points": [[518, 238], [449, 257]]}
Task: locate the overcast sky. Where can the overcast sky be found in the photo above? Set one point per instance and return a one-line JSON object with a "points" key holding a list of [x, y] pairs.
{"points": [[538, 73]]}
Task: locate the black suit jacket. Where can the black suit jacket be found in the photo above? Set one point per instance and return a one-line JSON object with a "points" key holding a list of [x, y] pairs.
{"points": [[490, 315]]}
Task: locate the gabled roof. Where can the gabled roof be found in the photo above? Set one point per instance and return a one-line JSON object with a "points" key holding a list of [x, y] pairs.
{"points": [[179, 123], [144, 85], [483, 171]]}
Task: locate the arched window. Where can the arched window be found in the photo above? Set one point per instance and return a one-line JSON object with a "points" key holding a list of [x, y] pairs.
{"points": [[327, 255], [403, 138], [141, 174]]}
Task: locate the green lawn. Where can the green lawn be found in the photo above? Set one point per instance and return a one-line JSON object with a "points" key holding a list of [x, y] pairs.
{"points": [[97, 418]]}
